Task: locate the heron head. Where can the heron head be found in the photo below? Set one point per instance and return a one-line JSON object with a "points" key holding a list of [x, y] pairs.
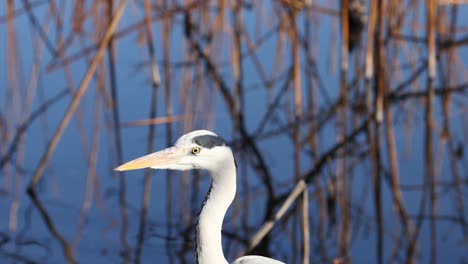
{"points": [[200, 149]]}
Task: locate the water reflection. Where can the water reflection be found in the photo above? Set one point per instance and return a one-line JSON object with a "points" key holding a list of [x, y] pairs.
{"points": [[67, 249], [372, 130]]}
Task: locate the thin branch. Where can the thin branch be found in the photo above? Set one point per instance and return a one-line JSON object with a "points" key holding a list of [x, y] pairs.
{"points": [[76, 98]]}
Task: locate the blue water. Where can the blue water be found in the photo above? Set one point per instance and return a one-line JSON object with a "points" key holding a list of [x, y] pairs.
{"points": [[63, 187]]}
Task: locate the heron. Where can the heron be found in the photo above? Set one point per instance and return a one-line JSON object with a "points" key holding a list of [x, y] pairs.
{"points": [[203, 149]]}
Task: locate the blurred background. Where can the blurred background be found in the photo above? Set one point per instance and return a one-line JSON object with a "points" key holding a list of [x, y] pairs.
{"points": [[348, 120]]}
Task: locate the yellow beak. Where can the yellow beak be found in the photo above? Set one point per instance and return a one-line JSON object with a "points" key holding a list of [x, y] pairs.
{"points": [[158, 160]]}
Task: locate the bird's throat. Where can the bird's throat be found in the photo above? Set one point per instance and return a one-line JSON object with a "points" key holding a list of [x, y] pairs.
{"points": [[219, 198]]}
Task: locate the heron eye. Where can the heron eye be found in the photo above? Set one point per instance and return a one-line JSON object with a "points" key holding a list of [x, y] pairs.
{"points": [[196, 150]]}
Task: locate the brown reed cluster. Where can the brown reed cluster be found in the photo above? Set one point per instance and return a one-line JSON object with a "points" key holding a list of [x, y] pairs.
{"points": [[363, 102]]}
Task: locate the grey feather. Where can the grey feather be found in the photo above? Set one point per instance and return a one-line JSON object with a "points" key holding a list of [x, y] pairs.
{"points": [[209, 141]]}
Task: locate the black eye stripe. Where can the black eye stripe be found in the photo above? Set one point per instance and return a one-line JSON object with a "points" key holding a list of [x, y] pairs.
{"points": [[208, 141]]}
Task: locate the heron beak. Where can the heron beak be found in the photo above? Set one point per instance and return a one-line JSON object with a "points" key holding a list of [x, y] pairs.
{"points": [[157, 160]]}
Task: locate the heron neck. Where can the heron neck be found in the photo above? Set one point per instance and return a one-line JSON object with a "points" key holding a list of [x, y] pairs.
{"points": [[218, 199]]}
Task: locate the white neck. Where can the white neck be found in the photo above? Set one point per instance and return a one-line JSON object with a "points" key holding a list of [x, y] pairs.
{"points": [[219, 198]]}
